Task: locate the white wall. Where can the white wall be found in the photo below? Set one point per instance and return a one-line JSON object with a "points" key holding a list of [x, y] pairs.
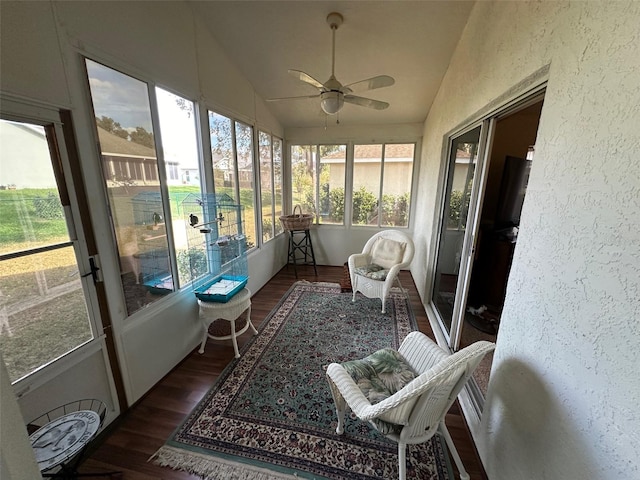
{"points": [[41, 59], [17, 461], [563, 396]]}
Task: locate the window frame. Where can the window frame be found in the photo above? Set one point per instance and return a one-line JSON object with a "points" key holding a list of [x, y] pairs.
{"points": [[209, 171], [316, 187], [141, 169], [349, 177], [380, 208], [276, 227]]}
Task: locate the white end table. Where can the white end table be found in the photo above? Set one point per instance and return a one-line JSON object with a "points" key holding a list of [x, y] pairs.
{"points": [[230, 311]]}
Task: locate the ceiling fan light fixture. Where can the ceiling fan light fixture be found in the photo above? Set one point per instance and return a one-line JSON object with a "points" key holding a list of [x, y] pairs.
{"points": [[331, 102]]}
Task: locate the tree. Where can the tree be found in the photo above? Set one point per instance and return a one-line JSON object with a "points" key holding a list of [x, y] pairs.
{"points": [[139, 135], [111, 126], [142, 137]]}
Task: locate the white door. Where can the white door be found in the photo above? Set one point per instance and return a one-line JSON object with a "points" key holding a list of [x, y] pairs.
{"points": [[53, 321]]}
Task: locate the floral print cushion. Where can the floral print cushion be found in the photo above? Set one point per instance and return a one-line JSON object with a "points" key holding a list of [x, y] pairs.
{"points": [[373, 271], [379, 376]]}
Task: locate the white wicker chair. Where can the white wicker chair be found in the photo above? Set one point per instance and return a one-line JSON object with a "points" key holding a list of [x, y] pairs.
{"points": [[391, 250], [417, 410]]}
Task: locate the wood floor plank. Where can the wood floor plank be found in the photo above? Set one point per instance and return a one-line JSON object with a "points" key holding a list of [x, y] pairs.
{"points": [[139, 432]]}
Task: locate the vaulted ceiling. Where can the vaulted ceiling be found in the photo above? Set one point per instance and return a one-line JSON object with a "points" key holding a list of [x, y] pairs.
{"points": [[412, 41]]}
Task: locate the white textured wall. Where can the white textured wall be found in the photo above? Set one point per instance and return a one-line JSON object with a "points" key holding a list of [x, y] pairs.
{"points": [[563, 402]]}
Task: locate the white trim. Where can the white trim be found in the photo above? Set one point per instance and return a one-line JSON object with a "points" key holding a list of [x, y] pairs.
{"points": [[51, 370], [20, 109]]}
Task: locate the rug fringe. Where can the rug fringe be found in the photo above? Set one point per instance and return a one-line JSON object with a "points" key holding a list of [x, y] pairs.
{"points": [[212, 468]]}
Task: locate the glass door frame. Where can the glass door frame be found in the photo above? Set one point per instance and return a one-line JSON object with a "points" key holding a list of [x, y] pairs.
{"points": [[452, 337]]}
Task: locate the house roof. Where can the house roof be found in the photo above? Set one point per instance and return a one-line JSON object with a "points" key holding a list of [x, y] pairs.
{"points": [[392, 151], [111, 144]]}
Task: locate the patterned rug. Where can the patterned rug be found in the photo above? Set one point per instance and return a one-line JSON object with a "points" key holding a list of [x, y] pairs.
{"points": [[270, 414]]}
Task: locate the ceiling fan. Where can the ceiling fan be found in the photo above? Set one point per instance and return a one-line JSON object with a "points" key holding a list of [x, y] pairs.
{"points": [[332, 93]]}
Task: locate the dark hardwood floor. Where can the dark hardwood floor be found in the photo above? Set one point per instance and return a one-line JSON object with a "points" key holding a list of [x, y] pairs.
{"points": [[139, 432]]}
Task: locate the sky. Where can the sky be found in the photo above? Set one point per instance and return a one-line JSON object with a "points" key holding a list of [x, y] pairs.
{"points": [[126, 100]]}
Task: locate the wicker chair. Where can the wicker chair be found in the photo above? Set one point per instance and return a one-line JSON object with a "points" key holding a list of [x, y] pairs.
{"points": [[375, 269], [412, 409]]}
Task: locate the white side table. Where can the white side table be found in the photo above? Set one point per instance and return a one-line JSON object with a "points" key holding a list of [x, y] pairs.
{"points": [[230, 311]]}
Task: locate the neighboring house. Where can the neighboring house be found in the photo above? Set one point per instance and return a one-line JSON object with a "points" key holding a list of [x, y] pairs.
{"points": [[190, 176], [26, 144], [367, 164], [127, 163]]}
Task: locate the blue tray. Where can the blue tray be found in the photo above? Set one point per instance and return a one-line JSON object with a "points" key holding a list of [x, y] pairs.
{"points": [[201, 292], [159, 285]]}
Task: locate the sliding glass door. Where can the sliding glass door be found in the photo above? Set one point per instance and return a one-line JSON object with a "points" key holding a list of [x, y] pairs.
{"points": [[456, 233]]}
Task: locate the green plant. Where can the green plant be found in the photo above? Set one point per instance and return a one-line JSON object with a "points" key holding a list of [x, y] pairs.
{"points": [[365, 205], [336, 199], [395, 210], [192, 263], [267, 229], [458, 203]]}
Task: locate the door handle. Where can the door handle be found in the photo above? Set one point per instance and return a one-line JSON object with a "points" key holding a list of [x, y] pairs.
{"points": [[94, 270]]}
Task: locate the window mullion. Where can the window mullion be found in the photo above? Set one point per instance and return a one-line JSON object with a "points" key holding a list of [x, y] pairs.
{"points": [[273, 189], [380, 201], [164, 188]]}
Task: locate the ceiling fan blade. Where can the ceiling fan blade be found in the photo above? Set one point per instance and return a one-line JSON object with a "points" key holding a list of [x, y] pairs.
{"points": [[366, 102], [291, 98], [305, 77], [371, 83]]}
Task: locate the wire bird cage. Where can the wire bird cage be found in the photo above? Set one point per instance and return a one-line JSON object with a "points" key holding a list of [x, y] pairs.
{"points": [[153, 258], [217, 246]]}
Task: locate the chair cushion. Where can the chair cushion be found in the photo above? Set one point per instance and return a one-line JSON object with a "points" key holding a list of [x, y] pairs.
{"points": [[379, 376], [387, 253], [373, 271]]}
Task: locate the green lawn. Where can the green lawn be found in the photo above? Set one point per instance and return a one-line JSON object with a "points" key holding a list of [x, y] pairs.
{"points": [[33, 215]]}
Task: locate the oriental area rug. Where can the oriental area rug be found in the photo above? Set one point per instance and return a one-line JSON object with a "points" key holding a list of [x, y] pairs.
{"points": [[270, 414]]}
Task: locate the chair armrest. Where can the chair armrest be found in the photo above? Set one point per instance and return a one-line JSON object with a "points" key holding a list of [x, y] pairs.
{"points": [[348, 389], [361, 406], [421, 352]]}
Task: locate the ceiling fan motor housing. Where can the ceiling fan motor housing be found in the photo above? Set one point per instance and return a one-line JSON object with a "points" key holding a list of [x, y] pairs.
{"points": [[331, 102]]}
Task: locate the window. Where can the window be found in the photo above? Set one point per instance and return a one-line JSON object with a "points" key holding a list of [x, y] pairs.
{"points": [[318, 181], [232, 160], [122, 111], [270, 152], [244, 147], [277, 184], [43, 308], [178, 131], [382, 176]]}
